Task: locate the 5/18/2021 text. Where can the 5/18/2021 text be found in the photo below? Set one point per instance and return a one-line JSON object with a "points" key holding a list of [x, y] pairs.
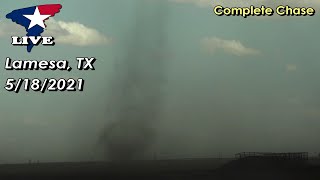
{"points": [[37, 85]]}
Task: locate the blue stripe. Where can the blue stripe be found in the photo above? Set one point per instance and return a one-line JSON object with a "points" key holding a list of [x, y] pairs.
{"points": [[17, 17]]}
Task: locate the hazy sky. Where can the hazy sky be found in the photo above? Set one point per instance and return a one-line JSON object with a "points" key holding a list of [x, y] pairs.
{"points": [[233, 84]]}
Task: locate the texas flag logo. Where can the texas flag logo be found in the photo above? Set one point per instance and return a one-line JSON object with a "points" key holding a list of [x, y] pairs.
{"points": [[33, 20]]}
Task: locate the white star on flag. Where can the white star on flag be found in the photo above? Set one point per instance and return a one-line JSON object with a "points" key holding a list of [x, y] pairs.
{"points": [[37, 19]]}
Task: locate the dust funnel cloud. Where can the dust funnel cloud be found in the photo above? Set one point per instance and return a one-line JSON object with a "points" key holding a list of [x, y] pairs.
{"points": [[137, 86]]}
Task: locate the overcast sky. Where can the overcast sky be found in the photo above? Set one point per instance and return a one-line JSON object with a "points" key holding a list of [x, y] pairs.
{"points": [[233, 84]]}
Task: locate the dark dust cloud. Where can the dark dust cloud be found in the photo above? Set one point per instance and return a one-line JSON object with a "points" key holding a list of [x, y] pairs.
{"points": [[136, 96]]}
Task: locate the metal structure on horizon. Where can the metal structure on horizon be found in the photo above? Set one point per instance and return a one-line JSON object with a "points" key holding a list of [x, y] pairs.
{"points": [[276, 156]]}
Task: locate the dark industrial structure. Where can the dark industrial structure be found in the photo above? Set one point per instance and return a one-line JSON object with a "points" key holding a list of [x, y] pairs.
{"points": [[275, 156]]}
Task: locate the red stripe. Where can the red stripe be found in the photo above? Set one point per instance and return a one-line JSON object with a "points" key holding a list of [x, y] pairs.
{"points": [[49, 9]]}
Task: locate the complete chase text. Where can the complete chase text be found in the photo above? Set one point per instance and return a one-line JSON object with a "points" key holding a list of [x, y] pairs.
{"points": [[263, 11]]}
